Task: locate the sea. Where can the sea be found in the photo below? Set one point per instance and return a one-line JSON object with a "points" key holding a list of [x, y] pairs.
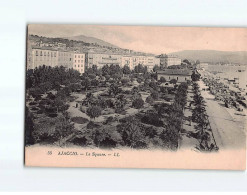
{"points": [[230, 72]]}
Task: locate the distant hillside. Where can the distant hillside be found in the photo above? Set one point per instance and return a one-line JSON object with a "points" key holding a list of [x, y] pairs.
{"points": [[214, 57], [91, 40]]}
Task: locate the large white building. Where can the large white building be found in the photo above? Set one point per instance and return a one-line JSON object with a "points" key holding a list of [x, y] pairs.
{"points": [[43, 56], [51, 57], [79, 61]]}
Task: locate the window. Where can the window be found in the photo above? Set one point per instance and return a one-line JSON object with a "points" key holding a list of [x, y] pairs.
{"points": [[75, 56], [41, 53], [70, 59], [78, 56], [51, 54], [44, 53], [78, 65], [75, 60], [185, 78], [48, 54], [79, 61], [37, 53], [55, 54], [177, 78]]}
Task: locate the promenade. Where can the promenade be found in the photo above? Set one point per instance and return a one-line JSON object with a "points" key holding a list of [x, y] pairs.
{"points": [[228, 132]]}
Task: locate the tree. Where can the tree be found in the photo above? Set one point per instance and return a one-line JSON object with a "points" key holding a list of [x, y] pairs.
{"points": [[105, 137], [155, 95], [64, 128], [150, 100], [197, 62], [195, 76], [86, 83], [187, 61], [126, 69], [173, 81], [94, 82], [162, 79], [153, 85], [156, 68], [105, 70], [140, 69], [124, 81], [138, 103], [139, 80], [94, 111], [133, 134], [29, 127], [114, 89]]}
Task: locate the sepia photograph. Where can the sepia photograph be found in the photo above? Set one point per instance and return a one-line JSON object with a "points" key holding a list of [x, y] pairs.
{"points": [[135, 96]]}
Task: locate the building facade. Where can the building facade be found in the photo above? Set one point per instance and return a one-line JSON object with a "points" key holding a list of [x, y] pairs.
{"points": [[44, 56], [79, 62], [181, 75], [127, 60], [65, 59], [169, 60], [101, 59]]}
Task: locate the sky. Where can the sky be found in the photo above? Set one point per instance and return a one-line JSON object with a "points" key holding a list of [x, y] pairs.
{"points": [[153, 39]]}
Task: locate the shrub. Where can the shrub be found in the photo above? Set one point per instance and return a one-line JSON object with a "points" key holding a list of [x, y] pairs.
{"points": [[162, 80], [173, 81], [33, 103], [150, 100], [153, 85], [124, 81], [132, 134], [155, 95], [94, 111], [92, 125], [40, 112], [151, 132], [34, 108], [138, 103], [79, 120], [109, 119], [152, 119], [52, 115], [139, 80]]}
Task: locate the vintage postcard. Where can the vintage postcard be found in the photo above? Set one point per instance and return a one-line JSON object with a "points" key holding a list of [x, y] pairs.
{"points": [[136, 97]]}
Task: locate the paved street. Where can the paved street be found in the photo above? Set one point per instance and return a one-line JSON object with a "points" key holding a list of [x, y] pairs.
{"points": [[229, 133]]}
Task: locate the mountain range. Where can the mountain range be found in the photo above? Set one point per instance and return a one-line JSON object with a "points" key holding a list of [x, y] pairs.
{"points": [[87, 39], [213, 56], [209, 56]]}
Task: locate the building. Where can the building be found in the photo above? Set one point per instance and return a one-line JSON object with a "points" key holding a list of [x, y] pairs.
{"points": [[181, 75], [43, 56], [127, 60], [169, 60], [101, 59], [65, 58], [149, 61], [79, 62]]}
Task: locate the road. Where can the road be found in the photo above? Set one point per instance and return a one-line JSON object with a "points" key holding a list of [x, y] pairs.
{"points": [[229, 133]]}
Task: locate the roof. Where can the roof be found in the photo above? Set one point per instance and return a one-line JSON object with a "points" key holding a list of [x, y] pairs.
{"points": [[166, 56], [187, 72], [51, 48]]}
